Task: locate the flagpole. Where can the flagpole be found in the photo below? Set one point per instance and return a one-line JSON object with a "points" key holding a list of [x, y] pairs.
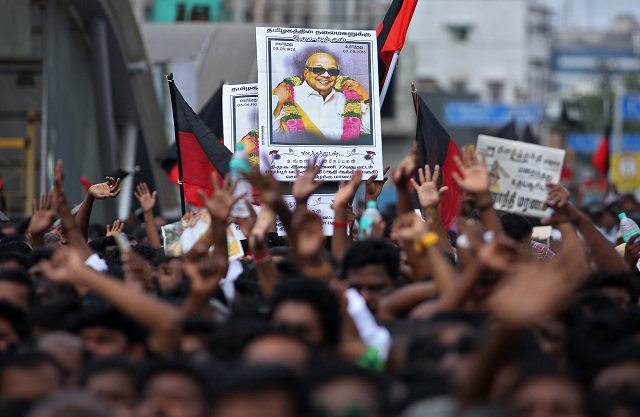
{"points": [[414, 95], [174, 107], [387, 80]]}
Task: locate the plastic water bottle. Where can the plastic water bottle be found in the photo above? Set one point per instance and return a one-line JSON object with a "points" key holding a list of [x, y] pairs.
{"points": [[238, 166], [628, 228], [369, 220]]}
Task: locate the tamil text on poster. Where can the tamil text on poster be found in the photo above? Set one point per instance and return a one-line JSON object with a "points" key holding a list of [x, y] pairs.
{"points": [[519, 174]]}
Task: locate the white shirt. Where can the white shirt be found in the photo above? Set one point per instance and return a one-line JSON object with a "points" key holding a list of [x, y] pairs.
{"points": [[326, 114]]}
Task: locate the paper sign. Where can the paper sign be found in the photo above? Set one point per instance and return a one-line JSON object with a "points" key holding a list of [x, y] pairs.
{"points": [[240, 116], [179, 237], [519, 173], [318, 97]]}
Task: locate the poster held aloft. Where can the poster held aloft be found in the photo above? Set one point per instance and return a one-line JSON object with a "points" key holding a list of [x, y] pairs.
{"points": [[240, 115], [318, 97], [519, 174]]}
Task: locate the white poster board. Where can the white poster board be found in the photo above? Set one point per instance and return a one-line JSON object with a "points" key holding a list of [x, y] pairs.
{"points": [[519, 173], [318, 97], [240, 118]]}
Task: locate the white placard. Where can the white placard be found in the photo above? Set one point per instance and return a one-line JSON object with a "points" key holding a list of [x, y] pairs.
{"points": [[332, 114], [240, 118], [519, 173]]}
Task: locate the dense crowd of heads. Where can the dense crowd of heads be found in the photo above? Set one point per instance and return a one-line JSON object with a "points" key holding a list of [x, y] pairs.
{"points": [[476, 318]]}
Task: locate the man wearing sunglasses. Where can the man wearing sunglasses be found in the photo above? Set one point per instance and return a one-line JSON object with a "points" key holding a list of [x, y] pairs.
{"points": [[319, 103]]}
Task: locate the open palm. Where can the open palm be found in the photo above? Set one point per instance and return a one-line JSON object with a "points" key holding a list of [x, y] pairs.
{"points": [[427, 187]]}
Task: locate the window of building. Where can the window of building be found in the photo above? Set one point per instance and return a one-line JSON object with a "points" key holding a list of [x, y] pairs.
{"points": [[459, 86], [459, 32], [496, 90]]}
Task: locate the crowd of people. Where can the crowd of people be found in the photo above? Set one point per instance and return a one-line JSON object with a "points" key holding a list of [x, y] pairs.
{"points": [[416, 319]]}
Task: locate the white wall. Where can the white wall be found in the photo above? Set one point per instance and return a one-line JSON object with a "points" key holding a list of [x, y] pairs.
{"points": [[497, 49]]}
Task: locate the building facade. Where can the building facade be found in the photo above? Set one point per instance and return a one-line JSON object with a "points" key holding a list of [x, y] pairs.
{"points": [[498, 50]]}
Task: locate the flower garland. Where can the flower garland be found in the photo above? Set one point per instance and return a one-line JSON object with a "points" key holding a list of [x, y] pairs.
{"points": [[250, 142], [351, 117]]}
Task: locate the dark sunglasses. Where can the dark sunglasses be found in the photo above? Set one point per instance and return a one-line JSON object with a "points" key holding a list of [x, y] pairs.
{"points": [[334, 72]]}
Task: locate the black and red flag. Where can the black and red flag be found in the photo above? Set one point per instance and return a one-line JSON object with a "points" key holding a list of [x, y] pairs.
{"points": [[600, 158], [199, 150], [392, 32], [436, 147]]}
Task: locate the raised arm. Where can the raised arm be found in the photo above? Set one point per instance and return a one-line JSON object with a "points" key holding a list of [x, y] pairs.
{"points": [[602, 251], [267, 272], [429, 197], [401, 177], [147, 200], [340, 241], [161, 318], [474, 180], [101, 191], [41, 219]]}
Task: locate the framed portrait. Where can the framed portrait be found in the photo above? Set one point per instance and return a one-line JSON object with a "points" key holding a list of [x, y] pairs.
{"points": [[318, 97], [240, 118]]}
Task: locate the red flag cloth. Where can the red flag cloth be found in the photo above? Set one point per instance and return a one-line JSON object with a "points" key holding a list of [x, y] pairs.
{"points": [[600, 158], [200, 151], [436, 147], [392, 32]]}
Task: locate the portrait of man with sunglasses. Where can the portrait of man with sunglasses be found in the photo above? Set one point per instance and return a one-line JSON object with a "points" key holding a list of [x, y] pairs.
{"points": [[318, 101]]}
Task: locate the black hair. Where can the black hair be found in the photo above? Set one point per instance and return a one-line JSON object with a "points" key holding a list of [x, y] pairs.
{"points": [[515, 226], [100, 365], [623, 280], [545, 372], [61, 314], [372, 252], [331, 369], [319, 296], [30, 360], [16, 318], [199, 375], [18, 276], [256, 378], [39, 254], [111, 318], [15, 243], [270, 331], [15, 256]]}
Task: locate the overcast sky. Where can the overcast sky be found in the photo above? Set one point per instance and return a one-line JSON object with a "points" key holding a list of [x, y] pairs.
{"points": [[590, 13]]}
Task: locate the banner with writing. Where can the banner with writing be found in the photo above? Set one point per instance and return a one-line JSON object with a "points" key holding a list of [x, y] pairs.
{"points": [[519, 173]]}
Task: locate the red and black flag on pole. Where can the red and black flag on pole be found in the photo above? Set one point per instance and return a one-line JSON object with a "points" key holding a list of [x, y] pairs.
{"points": [[600, 158], [392, 32], [199, 150], [436, 147]]}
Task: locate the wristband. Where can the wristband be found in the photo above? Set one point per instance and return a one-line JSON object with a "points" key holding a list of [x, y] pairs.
{"points": [[258, 258], [340, 223], [428, 239]]}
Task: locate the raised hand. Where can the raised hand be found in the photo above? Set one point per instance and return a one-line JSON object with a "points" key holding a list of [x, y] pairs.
{"points": [[427, 187], [137, 271], [115, 228], [146, 198], [558, 200], [264, 222], [64, 266], [409, 228], [205, 274], [103, 190], [373, 188], [305, 184], [308, 239], [282, 92], [632, 253], [246, 223], [43, 215], [407, 167], [270, 189], [219, 204], [347, 191], [473, 177]]}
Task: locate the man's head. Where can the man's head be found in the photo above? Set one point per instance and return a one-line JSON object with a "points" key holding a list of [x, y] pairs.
{"points": [[371, 267], [309, 309], [112, 380], [517, 227], [106, 332], [14, 325], [29, 376], [321, 72], [16, 287], [273, 347], [173, 388]]}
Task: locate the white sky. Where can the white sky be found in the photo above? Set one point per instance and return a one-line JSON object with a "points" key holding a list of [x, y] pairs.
{"points": [[590, 13]]}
